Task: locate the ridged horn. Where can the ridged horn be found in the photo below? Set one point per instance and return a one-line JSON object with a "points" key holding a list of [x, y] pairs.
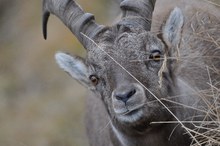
{"points": [[71, 14], [138, 11]]}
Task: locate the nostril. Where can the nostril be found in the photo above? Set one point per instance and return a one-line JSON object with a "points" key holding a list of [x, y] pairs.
{"points": [[132, 92], [125, 96]]}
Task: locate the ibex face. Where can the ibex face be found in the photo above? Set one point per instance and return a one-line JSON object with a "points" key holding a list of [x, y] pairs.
{"points": [[126, 100], [122, 60], [140, 55]]}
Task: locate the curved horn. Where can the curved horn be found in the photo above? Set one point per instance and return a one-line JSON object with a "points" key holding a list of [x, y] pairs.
{"points": [[141, 10], [73, 17]]}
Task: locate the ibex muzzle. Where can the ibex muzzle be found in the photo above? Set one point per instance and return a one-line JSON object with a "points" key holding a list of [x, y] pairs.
{"points": [[128, 101]]}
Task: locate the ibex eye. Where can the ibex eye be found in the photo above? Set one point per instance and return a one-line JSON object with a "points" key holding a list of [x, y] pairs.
{"points": [[94, 79], [155, 55]]}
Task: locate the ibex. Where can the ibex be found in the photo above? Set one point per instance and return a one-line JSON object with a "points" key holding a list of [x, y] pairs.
{"points": [[141, 72]]}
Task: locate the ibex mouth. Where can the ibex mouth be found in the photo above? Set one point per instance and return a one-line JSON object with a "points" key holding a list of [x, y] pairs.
{"points": [[131, 115], [132, 111]]}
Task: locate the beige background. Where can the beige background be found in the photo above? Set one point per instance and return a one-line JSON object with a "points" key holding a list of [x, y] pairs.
{"points": [[40, 105]]}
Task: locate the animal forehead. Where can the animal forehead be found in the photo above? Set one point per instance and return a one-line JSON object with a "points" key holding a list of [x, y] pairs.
{"points": [[133, 42], [125, 47]]}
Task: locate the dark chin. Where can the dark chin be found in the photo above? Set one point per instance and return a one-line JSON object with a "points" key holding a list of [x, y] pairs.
{"points": [[138, 127]]}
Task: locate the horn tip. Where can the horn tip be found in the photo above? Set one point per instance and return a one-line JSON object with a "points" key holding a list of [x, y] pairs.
{"points": [[46, 16], [45, 35]]}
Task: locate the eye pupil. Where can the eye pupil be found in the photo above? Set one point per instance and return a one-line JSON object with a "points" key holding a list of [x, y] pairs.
{"points": [[94, 79], [155, 56]]}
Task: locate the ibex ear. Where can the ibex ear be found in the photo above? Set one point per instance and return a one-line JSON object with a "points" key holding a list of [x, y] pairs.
{"points": [[173, 27], [75, 66]]}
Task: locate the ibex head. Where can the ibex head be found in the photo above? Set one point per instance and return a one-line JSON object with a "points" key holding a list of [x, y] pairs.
{"points": [[122, 59]]}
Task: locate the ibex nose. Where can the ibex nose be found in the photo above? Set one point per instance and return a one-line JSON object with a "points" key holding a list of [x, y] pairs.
{"points": [[124, 95]]}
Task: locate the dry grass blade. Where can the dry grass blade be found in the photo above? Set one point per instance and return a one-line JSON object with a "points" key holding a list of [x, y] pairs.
{"points": [[213, 3]]}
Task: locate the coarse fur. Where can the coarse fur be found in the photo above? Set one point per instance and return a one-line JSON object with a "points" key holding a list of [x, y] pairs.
{"points": [[143, 70]]}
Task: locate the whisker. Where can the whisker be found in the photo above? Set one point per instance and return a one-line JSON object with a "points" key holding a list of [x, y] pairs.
{"points": [[102, 129], [172, 131]]}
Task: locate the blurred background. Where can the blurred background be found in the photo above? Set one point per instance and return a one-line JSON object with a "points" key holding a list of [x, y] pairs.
{"points": [[40, 105]]}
